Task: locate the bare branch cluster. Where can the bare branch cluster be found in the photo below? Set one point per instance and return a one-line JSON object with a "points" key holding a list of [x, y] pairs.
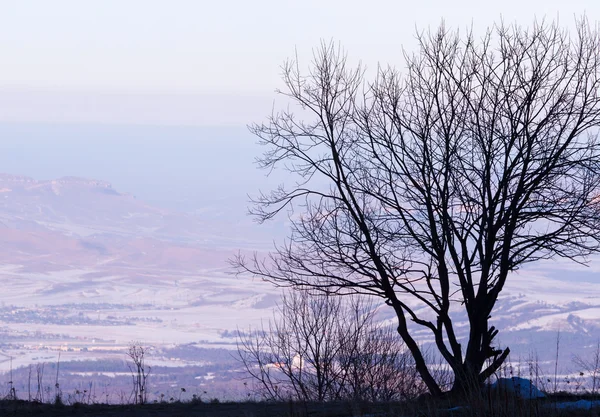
{"points": [[324, 348]]}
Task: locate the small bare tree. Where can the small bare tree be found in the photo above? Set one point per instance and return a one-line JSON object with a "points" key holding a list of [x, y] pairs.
{"points": [[139, 372], [483, 157], [294, 356], [376, 364], [324, 348]]}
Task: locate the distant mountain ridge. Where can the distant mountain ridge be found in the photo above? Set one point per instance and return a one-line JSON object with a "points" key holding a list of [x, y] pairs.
{"points": [[21, 179], [10, 183], [81, 207], [72, 221]]}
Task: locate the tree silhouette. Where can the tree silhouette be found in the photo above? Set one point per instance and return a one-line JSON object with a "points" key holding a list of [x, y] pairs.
{"points": [[428, 189]]}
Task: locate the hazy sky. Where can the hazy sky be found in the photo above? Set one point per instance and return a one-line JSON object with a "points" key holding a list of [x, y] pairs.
{"points": [[204, 62]]}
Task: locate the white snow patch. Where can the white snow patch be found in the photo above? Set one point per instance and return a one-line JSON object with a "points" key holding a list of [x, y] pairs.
{"points": [[521, 387]]}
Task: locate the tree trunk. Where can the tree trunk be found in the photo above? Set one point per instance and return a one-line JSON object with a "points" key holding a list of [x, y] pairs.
{"points": [[467, 380], [415, 351], [472, 373]]}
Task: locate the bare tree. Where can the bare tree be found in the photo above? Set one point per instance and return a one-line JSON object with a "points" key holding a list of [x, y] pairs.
{"points": [[294, 357], [376, 365], [139, 372], [440, 183], [320, 348]]}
